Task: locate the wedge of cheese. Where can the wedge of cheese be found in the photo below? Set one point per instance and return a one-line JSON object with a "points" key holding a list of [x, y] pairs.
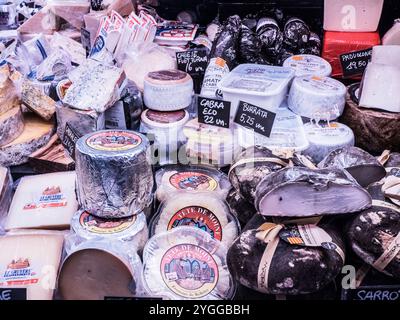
{"points": [[11, 125], [31, 261], [45, 201]]}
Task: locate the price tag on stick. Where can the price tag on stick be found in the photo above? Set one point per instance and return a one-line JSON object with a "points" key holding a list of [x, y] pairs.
{"points": [[213, 112]]}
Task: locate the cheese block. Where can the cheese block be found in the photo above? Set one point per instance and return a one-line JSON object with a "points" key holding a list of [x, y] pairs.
{"points": [[364, 167], [186, 264], [45, 201], [381, 87], [338, 43], [115, 177], [95, 89], [375, 130], [36, 134], [201, 210], [317, 97], [37, 100], [11, 125], [392, 36], [326, 137], [56, 66], [97, 269], [43, 21], [8, 90], [193, 179], [123, 7], [387, 54], [70, 11], [31, 261], [75, 50], [168, 90], [131, 229], [307, 64], [240, 207], [304, 192], [92, 23]]}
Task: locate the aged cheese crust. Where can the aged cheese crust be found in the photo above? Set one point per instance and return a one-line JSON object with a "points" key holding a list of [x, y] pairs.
{"points": [[11, 126], [36, 134]]}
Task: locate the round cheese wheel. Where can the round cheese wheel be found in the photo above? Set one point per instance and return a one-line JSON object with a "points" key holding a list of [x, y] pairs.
{"points": [[317, 97], [307, 64], [168, 90], [186, 264], [324, 138], [11, 125]]}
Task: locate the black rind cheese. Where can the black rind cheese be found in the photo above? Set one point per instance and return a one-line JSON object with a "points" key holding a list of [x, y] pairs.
{"points": [[240, 207]]}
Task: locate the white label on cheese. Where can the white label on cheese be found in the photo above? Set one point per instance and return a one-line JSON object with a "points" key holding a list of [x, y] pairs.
{"points": [[321, 84], [115, 117]]}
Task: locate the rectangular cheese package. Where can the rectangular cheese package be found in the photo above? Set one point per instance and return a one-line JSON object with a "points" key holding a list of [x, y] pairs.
{"points": [[46, 201], [5, 194], [30, 260]]}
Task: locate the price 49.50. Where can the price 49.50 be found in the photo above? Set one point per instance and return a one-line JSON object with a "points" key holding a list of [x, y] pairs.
{"points": [[356, 65]]}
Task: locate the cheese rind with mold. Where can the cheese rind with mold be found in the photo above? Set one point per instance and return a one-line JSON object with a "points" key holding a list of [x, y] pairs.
{"points": [[11, 125]]}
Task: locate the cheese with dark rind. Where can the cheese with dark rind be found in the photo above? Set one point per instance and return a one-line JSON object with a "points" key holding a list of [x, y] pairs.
{"points": [[365, 168], [301, 192], [35, 135], [240, 207], [11, 125], [293, 270]]}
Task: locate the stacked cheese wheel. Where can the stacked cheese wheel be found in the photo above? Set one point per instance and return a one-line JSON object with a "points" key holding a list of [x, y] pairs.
{"points": [[167, 93]]}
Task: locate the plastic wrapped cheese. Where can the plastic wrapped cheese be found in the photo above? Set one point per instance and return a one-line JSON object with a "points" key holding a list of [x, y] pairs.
{"points": [[31, 260], [381, 87], [191, 179], [201, 210], [46, 201], [326, 137], [307, 64], [317, 97], [131, 229], [188, 264]]}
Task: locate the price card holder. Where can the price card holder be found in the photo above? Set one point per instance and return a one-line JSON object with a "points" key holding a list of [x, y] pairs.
{"points": [[256, 118], [354, 63], [213, 112], [70, 139], [193, 62], [8, 294], [372, 293]]}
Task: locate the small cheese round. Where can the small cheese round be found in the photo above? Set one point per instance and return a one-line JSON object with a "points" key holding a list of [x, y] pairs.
{"points": [[317, 97], [324, 138], [11, 125], [168, 90], [307, 64]]}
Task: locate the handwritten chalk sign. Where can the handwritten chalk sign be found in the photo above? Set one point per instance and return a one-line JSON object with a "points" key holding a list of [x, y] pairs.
{"points": [[9, 294], [372, 293], [256, 118], [213, 112], [354, 63], [193, 62]]}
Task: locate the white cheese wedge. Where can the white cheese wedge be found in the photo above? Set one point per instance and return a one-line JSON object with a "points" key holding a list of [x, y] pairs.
{"points": [[381, 87], [389, 55], [324, 138], [45, 201], [393, 35], [317, 97], [35, 135], [11, 125], [31, 261]]}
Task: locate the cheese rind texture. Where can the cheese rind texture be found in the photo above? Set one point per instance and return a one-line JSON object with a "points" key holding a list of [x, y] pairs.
{"points": [[388, 54], [31, 261], [45, 201], [37, 100], [11, 125], [35, 135]]}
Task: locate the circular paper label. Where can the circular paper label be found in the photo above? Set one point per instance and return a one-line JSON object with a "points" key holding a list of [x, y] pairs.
{"points": [[322, 84], [114, 141], [193, 181], [198, 217], [105, 226], [307, 65], [189, 271]]}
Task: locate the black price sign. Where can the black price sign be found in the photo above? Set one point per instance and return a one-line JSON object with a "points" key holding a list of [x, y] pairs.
{"points": [[213, 112], [354, 63], [193, 62], [372, 293], [85, 40], [8, 294], [256, 118], [70, 139]]}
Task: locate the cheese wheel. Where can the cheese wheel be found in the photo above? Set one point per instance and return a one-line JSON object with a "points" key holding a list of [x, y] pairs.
{"points": [[31, 261], [35, 135], [186, 264], [45, 201], [324, 138], [201, 210], [168, 90], [115, 178], [317, 97], [97, 269], [11, 125], [307, 64]]}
